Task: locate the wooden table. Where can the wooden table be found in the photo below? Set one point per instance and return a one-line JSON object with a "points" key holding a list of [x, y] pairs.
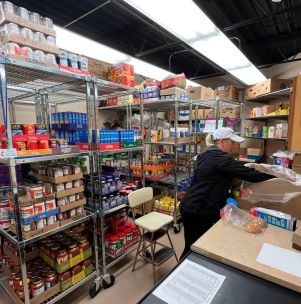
{"points": [[237, 248]]}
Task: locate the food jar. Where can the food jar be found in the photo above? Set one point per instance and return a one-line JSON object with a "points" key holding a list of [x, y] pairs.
{"points": [[57, 172], [11, 48], [83, 244], [72, 60], [61, 256], [34, 17], [72, 198], [68, 185], [71, 213], [41, 170], [8, 7], [53, 251], [50, 58], [43, 144], [13, 28], [50, 220], [63, 58], [44, 271], [76, 269], [51, 40], [27, 211], [83, 63], [34, 192], [47, 189], [122, 238], [76, 183], [86, 264], [50, 204], [59, 187], [41, 223], [23, 13], [73, 250], [37, 286], [51, 279], [39, 208], [26, 33], [39, 56], [129, 234], [32, 145], [65, 276], [47, 22], [62, 201], [66, 170], [39, 37], [53, 143], [76, 169], [27, 52]]}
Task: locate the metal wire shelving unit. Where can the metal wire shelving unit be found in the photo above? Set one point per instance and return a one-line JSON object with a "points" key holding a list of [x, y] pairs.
{"points": [[105, 90], [42, 87]]}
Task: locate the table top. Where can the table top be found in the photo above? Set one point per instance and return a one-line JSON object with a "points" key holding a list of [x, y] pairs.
{"points": [[237, 248], [238, 287]]}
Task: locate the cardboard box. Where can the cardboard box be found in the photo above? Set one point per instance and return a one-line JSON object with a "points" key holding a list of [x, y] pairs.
{"points": [[7, 17], [233, 112], [201, 93], [281, 130], [99, 68], [69, 192], [297, 163], [254, 151], [292, 207], [25, 59], [173, 91], [60, 179], [269, 110], [227, 92], [267, 86], [5, 38], [176, 81]]}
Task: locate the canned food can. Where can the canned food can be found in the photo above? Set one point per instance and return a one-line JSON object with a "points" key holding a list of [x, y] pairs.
{"points": [[50, 204], [50, 220], [27, 211], [34, 192], [32, 145], [40, 224], [39, 208], [29, 129]]}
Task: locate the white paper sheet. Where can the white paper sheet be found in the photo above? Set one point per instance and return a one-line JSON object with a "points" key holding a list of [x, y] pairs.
{"points": [[190, 283], [281, 259]]}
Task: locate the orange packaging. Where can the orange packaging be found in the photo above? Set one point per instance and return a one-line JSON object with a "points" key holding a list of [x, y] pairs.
{"points": [[29, 129]]}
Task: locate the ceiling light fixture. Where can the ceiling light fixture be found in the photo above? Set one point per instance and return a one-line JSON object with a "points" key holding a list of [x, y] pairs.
{"points": [[75, 43], [188, 22]]}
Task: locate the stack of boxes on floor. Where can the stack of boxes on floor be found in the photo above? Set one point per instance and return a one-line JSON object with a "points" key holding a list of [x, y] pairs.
{"points": [[120, 235], [53, 264]]}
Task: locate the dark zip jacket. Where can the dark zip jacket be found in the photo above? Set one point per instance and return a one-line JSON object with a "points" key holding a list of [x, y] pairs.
{"points": [[212, 180]]}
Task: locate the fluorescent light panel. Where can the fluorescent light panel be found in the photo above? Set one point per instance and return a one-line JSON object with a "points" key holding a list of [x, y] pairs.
{"points": [[189, 23], [75, 43]]}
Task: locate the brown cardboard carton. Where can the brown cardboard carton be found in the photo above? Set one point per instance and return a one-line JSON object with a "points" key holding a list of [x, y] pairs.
{"points": [[292, 207], [173, 91], [227, 92], [233, 112], [201, 93], [297, 237], [99, 68], [297, 163], [267, 86]]}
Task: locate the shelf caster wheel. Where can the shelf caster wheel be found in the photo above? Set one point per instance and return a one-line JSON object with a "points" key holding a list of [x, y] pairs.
{"points": [[93, 291], [107, 285], [176, 229]]}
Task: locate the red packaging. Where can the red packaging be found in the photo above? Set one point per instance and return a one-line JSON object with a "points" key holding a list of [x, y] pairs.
{"points": [[29, 129], [2, 130], [43, 144], [32, 145], [19, 145]]}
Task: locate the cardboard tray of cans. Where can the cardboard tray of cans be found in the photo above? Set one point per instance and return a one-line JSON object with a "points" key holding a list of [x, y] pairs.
{"points": [[37, 299], [28, 257], [70, 220], [60, 268], [70, 191], [30, 234], [8, 17], [26, 59], [124, 249], [60, 179], [37, 217], [73, 205], [12, 37], [25, 200], [76, 278]]}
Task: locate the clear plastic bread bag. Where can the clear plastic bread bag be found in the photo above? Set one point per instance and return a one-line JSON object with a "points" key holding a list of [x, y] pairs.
{"points": [[242, 219]]}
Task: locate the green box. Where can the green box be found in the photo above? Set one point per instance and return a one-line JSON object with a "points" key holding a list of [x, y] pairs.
{"points": [[130, 145]]}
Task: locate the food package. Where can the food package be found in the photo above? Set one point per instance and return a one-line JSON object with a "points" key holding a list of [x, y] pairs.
{"points": [[285, 186], [178, 81], [242, 219]]}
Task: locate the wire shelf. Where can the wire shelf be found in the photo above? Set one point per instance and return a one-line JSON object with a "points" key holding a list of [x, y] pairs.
{"points": [[213, 104]]}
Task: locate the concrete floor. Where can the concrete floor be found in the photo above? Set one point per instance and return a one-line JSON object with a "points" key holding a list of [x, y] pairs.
{"points": [[129, 287]]}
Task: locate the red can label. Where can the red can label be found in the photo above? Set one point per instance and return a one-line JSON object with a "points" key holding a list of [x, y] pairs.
{"points": [[43, 144], [32, 145]]}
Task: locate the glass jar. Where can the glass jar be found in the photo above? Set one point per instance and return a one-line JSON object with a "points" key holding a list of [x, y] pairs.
{"points": [[64, 276], [34, 17], [27, 53], [37, 287], [8, 7], [83, 244], [26, 33], [61, 256], [47, 22], [53, 251], [73, 250], [51, 40], [86, 264], [50, 58], [23, 13], [51, 279], [39, 56]]}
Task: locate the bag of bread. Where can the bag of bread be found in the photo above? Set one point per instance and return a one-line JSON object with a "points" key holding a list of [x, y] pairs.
{"points": [[242, 219]]}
